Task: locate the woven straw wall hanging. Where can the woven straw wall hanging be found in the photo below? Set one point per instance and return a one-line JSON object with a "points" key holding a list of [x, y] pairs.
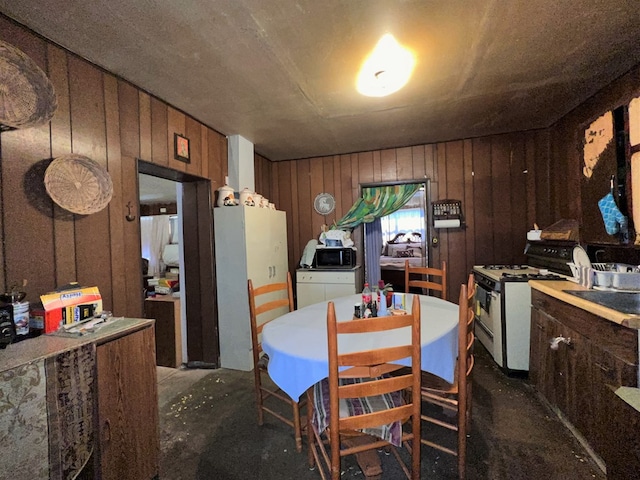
{"points": [[27, 97], [78, 184]]}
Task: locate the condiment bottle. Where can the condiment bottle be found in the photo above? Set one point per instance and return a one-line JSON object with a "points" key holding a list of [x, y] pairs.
{"points": [[366, 296]]}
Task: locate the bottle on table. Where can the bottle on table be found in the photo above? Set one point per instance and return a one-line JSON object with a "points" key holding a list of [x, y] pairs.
{"points": [[366, 310], [382, 305], [380, 290]]}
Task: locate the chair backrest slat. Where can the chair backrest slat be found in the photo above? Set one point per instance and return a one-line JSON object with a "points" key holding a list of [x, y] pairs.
{"points": [[258, 307], [466, 335], [427, 277], [374, 358]]}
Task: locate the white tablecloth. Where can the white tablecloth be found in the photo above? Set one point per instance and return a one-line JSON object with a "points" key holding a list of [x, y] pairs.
{"points": [[297, 342]]}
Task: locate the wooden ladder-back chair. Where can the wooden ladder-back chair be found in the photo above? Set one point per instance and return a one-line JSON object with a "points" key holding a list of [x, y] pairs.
{"points": [[426, 278], [455, 397], [366, 386], [261, 305]]}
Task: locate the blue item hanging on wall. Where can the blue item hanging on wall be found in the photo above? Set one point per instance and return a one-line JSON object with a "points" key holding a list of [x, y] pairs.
{"points": [[614, 221]]}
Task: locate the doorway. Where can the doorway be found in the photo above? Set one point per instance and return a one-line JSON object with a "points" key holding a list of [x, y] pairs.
{"points": [[195, 261], [402, 235]]}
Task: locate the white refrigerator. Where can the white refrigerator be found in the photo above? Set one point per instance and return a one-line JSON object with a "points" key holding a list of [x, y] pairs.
{"points": [[250, 243]]}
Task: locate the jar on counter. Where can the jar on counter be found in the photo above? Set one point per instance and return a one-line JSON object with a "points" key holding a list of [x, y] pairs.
{"points": [[21, 317], [226, 196], [246, 197]]}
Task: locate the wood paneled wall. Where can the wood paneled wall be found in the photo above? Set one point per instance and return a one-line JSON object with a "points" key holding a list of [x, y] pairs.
{"points": [[112, 122], [506, 183], [567, 138], [503, 182]]}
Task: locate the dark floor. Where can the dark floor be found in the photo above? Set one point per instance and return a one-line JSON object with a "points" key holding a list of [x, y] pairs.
{"points": [[209, 432]]}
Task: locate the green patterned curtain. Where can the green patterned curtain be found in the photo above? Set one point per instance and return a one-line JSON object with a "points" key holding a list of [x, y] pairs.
{"points": [[377, 202]]}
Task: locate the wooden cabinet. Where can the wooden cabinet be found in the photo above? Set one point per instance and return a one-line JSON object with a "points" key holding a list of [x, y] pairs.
{"points": [[313, 286], [592, 355], [127, 409], [623, 456], [165, 309], [93, 393]]}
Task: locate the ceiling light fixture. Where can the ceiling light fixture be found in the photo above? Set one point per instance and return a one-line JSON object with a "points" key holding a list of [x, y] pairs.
{"points": [[386, 70]]}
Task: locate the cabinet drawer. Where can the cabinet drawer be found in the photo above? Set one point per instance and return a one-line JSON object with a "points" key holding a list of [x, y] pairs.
{"points": [[326, 277]]}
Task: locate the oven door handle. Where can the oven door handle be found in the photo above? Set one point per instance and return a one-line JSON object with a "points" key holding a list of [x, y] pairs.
{"points": [[484, 297]]}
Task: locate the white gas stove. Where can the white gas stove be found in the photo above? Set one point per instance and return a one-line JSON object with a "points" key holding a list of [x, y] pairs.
{"points": [[503, 319]]}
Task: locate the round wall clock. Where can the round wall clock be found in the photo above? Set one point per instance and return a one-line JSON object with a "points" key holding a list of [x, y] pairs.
{"points": [[324, 203]]}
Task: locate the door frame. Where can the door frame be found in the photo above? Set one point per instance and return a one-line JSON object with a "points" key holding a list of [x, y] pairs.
{"points": [[427, 240], [203, 349]]}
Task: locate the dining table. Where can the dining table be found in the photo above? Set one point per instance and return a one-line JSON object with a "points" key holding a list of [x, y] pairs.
{"points": [[296, 342]]}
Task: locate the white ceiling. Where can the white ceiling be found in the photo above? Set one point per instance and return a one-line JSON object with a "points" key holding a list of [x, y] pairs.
{"points": [[157, 190], [282, 73]]}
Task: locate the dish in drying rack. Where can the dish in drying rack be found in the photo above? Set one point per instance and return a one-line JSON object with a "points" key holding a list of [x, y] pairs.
{"points": [[580, 257]]}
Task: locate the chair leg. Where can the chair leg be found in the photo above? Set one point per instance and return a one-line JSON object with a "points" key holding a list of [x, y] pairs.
{"points": [[469, 407], [463, 422], [297, 429], [258, 385], [310, 431], [462, 455]]}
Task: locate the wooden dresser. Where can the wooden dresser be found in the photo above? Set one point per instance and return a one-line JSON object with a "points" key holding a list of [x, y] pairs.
{"points": [[165, 309]]}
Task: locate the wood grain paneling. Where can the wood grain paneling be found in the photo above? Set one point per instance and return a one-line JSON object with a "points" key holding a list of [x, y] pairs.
{"points": [[487, 174], [159, 133], [193, 133], [144, 105], [63, 228], [93, 259], [217, 158], [114, 123], [519, 199], [455, 244], [116, 206], [483, 201], [469, 205], [176, 123], [129, 119]]}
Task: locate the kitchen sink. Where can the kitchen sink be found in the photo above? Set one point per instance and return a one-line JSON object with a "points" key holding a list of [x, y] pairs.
{"points": [[625, 302]]}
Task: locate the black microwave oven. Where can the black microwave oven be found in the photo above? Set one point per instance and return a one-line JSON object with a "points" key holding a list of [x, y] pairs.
{"points": [[335, 257]]}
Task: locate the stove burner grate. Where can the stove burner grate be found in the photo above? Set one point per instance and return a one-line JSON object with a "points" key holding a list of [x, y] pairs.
{"points": [[532, 276], [505, 267]]}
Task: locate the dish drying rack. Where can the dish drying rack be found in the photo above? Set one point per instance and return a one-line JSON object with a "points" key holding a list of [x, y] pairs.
{"points": [[612, 276]]}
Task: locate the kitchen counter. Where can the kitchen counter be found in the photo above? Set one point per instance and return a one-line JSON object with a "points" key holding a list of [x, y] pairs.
{"points": [[84, 406], [556, 289], [328, 269], [315, 285], [32, 349]]}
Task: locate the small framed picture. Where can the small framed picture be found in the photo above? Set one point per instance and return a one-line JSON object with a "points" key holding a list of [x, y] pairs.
{"points": [[181, 148]]}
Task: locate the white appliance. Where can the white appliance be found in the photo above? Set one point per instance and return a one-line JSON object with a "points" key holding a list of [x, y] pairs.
{"points": [[250, 243], [503, 314], [314, 286]]}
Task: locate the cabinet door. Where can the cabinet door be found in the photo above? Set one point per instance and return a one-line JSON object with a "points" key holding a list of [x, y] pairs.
{"points": [[338, 290], [266, 241], [606, 372], [539, 349], [128, 446], [310, 293], [547, 367]]}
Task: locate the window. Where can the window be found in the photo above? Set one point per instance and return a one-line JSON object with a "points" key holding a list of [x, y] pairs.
{"points": [[408, 219]]}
